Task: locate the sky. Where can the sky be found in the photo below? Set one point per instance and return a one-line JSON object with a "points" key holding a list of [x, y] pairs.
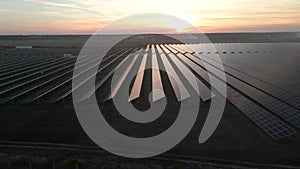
{"points": [[87, 16]]}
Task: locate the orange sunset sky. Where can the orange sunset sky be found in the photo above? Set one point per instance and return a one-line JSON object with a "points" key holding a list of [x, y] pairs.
{"points": [[86, 16]]}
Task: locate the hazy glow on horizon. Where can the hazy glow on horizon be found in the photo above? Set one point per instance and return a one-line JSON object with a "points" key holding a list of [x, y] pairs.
{"points": [[85, 17]]}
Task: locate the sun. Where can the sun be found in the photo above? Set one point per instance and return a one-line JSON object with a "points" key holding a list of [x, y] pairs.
{"points": [[192, 19]]}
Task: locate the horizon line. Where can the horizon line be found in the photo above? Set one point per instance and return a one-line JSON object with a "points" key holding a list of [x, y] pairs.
{"points": [[89, 34]]}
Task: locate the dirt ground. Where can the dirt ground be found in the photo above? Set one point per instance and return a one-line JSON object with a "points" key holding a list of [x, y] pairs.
{"points": [[236, 138]]}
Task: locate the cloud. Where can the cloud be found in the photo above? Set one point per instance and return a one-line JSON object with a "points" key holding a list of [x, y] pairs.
{"points": [[71, 5]]}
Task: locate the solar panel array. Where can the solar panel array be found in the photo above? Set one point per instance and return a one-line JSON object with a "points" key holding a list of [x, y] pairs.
{"points": [[44, 75], [268, 112]]}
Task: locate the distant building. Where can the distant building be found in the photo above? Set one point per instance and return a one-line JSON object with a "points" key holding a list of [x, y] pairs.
{"points": [[23, 47]]}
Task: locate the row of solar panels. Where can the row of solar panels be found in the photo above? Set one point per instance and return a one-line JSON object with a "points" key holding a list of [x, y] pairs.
{"points": [[276, 115], [48, 78], [43, 78]]}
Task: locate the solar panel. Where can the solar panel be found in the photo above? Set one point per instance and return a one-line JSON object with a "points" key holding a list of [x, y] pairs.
{"points": [[193, 66], [274, 127], [121, 78], [83, 68], [285, 111], [270, 89], [177, 85], [14, 62], [40, 93], [137, 85], [147, 48], [179, 49], [203, 91], [24, 77], [184, 48], [15, 91], [69, 92], [33, 84], [172, 49], [291, 98], [91, 92], [270, 124], [282, 109], [19, 77], [157, 87], [23, 68]]}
